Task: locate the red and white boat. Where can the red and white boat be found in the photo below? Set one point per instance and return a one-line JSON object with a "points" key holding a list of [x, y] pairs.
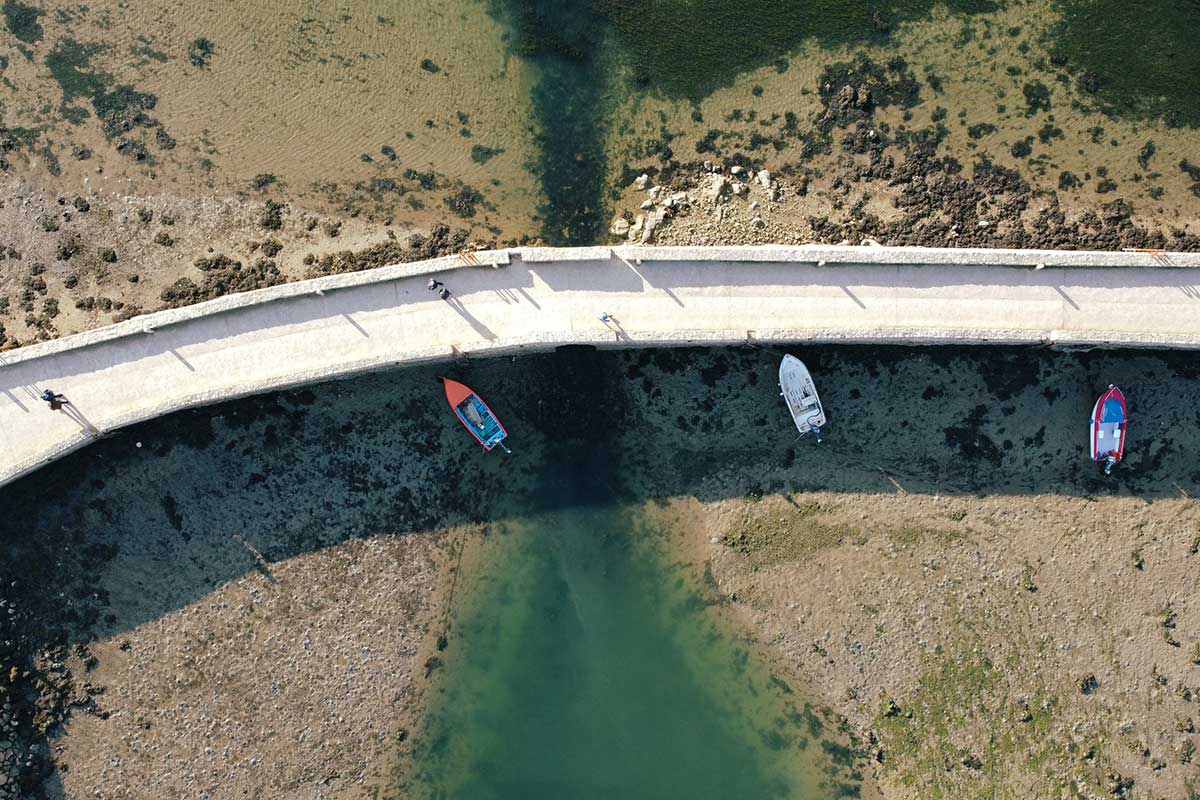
{"points": [[1108, 422], [475, 415]]}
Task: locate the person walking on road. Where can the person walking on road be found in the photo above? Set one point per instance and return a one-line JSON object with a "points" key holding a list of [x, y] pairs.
{"points": [[433, 285], [444, 293], [605, 317], [55, 399]]}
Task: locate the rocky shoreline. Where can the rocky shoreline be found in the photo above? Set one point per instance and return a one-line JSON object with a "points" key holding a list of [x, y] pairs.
{"points": [[71, 264], [861, 178]]}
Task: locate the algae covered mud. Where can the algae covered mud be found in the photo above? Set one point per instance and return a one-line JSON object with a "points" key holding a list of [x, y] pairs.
{"points": [[333, 591]]}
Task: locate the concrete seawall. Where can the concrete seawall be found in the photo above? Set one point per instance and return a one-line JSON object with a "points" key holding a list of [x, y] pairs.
{"points": [[532, 299]]}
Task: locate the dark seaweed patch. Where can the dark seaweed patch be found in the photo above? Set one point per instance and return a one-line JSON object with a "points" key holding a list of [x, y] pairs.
{"points": [[481, 154], [688, 48], [200, 52], [22, 21], [120, 109], [971, 443], [1143, 64], [1037, 98]]}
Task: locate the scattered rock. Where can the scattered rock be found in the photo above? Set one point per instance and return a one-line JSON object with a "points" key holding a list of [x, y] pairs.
{"points": [[635, 230], [717, 186], [653, 220], [1119, 786]]}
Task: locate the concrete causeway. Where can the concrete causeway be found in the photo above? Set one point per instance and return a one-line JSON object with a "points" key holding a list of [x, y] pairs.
{"points": [[535, 299]]}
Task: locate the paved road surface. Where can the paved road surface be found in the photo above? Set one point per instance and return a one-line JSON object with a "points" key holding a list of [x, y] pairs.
{"points": [[234, 347]]}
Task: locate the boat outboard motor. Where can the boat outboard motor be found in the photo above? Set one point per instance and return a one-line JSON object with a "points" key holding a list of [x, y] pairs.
{"points": [[817, 432], [1110, 461]]}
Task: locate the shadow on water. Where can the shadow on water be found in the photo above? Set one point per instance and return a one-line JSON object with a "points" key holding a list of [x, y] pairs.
{"points": [[116, 535], [562, 39], [582, 49], [583, 670], [1138, 60]]}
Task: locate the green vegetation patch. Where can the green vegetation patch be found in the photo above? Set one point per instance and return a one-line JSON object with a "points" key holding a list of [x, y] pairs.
{"points": [[791, 541], [688, 48], [1143, 64], [961, 735], [21, 20]]}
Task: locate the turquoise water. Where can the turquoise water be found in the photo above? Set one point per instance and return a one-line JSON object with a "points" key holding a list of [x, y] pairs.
{"points": [[586, 667]]}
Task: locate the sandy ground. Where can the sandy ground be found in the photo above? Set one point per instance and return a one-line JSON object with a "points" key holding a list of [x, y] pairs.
{"points": [[128, 150], [983, 647], [282, 683]]}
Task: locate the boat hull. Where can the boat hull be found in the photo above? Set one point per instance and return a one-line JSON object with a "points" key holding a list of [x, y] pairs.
{"points": [[474, 414], [1107, 426], [800, 393]]}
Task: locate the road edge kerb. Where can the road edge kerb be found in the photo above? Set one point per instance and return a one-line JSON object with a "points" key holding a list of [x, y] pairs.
{"points": [[800, 254]]}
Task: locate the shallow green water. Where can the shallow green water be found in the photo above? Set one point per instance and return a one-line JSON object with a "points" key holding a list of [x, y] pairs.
{"points": [[584, 667], [588, 56]]}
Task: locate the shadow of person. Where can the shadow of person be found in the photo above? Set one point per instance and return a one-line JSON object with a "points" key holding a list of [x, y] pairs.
{"points": [[618, 330], [480, 328], [68, 408]]}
